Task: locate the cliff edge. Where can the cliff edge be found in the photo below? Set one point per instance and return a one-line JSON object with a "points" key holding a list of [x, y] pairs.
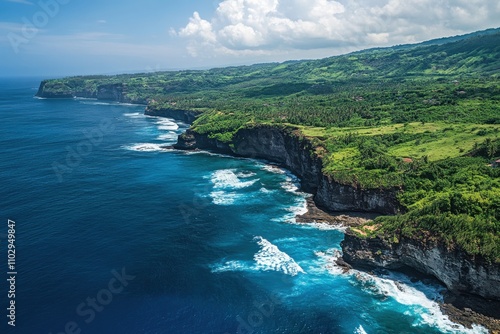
{"points": [[287, 147], [460, 272]]}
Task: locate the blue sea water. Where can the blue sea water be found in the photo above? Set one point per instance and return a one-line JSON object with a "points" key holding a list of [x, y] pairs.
{"points": [[117, 234]]}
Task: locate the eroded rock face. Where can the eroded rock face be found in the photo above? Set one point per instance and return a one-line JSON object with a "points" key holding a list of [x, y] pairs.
{"points": [[283, 146], [460, 272], [295, 152], [112, 92], [339, 197]]}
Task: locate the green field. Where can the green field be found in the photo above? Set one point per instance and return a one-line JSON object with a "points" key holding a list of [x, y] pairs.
{"points": [[435, 140]]}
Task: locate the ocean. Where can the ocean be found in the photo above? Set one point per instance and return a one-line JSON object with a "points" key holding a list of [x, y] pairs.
{"points": [[115, 233]]}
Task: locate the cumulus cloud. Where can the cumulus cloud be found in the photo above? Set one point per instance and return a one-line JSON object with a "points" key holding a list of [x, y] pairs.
{"points": [[270, 26]]}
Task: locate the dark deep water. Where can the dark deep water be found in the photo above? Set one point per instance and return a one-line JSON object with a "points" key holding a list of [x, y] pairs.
{"points": [[200, 243]]}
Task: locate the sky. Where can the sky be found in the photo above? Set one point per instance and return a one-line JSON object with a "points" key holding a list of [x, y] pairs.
{"points": [[75, 37]]}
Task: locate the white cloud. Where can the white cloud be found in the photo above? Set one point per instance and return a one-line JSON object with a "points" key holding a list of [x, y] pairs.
{"points": [[274, 26], [202, 32]]}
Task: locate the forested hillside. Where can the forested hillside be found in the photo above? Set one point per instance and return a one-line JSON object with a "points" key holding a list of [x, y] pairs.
{"points": [[423, 119]]}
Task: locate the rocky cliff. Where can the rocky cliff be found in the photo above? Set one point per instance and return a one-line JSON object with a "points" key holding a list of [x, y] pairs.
{"points": [[457, 270], [112, 92], [290, 149], [460, 272]]}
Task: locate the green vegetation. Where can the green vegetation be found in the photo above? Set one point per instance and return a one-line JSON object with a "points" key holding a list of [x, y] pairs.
{"points": [[423, 119]]}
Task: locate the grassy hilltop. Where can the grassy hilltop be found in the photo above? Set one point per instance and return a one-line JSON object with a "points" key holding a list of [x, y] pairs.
{"points": [[422, 118]]}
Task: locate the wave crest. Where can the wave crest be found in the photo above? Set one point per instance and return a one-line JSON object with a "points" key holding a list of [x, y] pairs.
{"points": [[227, 179], [146, 147], [269, 257]]}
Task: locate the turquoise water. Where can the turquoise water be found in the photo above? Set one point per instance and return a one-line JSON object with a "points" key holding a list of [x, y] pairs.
{"points": [[116, 234]]}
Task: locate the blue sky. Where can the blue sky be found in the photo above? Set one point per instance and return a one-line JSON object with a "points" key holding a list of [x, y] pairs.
{"points": [[70, 37]]}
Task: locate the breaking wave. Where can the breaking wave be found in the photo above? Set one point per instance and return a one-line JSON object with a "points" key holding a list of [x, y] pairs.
{"points": [[227, 179], [269, 257], [422, 298], [146, 147]]}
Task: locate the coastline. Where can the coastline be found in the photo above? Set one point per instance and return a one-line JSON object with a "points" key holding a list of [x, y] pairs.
{"points": [[346, 219], [286, 142], [469, 310], [465, 311]]}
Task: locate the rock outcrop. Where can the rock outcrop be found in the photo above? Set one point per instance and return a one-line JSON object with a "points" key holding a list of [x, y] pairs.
{"points": [[460, 272]]}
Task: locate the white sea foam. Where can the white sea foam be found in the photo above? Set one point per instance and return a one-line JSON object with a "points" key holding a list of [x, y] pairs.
{"points": [[85, 98], [245, 175], [130, 104], [98, 103], [328, 260], [269, 257], [227, 179], [289, 186], [230, 266], [146, 147], [273, 169], [323, 226], [266, 191], [168, 127], [204, 153], [291, 183], [360, 330], [223, 197], [300, 208], [134, 115], [168, 136], [423, 298], [165, 121]]}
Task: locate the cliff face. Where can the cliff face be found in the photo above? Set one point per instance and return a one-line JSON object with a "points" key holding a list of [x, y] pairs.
{"points": [[460, 272], [283, 146], [53, 92], [341, 197], [286, 147], [111, 92]]}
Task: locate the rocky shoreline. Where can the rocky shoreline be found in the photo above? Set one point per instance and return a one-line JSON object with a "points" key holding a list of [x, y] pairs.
{"points": [[464, 309], [469, 310], [338, 204], [346, 219], [333, 203]]}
